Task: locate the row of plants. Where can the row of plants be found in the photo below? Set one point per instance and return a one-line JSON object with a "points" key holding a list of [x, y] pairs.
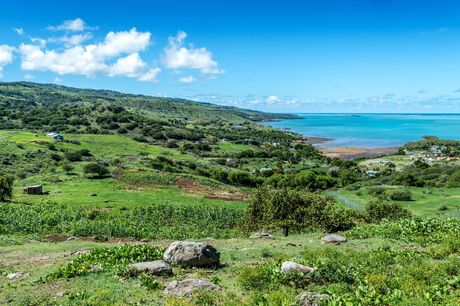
{"points": [[154, 221]]}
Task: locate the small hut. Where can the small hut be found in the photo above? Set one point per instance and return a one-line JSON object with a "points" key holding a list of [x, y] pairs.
{"points": [[38, 189]]}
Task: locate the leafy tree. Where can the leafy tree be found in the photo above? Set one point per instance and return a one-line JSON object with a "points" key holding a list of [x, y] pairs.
{"points": [[6, 187], [96, 168], [291, 209]]}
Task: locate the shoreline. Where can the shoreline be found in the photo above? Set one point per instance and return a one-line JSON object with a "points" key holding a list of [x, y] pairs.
{"points": [[345, 152]]}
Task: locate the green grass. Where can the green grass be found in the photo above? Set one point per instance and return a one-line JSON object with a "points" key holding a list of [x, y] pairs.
{"points": [[372, 267], [113, 194], [104, 146], [426, 201]]}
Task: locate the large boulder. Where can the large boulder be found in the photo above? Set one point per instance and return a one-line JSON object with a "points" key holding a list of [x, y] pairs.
{"points": [[311, 298], [293, 267], [191, 254], [334, 238], [188, 286], [157, 267]]}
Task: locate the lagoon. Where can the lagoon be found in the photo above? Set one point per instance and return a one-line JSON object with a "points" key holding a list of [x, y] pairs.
{"points": [[372, 130]]}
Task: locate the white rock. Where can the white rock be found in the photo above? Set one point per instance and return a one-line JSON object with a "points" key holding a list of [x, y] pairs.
{"points": [[290, 266], [334, 238]]}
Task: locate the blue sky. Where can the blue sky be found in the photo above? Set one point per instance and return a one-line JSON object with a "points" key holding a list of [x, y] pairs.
{"points": [[283, 56]]}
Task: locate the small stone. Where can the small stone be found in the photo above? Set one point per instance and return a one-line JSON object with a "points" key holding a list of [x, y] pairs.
{"points": [[72, 238], [334, 238], [311, 298], [290, 266], [60, 294], [188, 286], [16, 275], [157, 267], [94, 268]]}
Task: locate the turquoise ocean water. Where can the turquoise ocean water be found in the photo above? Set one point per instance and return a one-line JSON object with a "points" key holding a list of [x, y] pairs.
{"points": [[373, 130]]}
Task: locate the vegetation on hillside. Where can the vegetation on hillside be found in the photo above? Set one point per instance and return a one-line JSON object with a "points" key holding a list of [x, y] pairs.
{"points": [[145, 171]]}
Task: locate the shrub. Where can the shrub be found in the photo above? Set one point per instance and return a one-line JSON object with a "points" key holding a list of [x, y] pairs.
{"points": [[6, 187], [454, 179], [73, 156], [401, 195], [378, 210], [97, 169]]}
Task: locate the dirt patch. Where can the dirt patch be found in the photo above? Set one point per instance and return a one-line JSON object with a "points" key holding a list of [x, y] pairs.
{"points": [[191, 186], [354, 153], [55, 238], [224, 195]]}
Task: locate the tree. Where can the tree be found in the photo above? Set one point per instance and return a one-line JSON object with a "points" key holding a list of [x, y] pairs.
{"points": [[95, 168], [291, 209], [67, 167], [6, 187]]}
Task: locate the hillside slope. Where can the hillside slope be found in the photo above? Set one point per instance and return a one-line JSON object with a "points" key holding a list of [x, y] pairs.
{"points": [[34, 95]]}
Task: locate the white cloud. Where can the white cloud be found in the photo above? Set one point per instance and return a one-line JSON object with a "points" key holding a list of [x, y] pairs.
{"points": [[272, 99], [19, 31], [73, 25], [176, 56], [39, 41], [187, 79], [130, 65], [72, 40], [57, 80], [150, 76], [117, 55], [6, 56], [28, 76]]}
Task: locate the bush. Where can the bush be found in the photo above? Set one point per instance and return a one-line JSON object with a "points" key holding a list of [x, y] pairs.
{"points": [[6, 187], [97, 169], [454, 179], [73, 156], [379, 210], [401, 195]]}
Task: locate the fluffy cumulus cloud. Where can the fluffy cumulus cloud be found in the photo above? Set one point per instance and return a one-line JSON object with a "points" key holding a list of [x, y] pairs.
{"points": [[177, 56], [73, 50], [6, 56], [116, 55]]}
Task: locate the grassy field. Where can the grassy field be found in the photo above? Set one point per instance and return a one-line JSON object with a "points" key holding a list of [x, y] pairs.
{"points": [[426, 201], [369, 270], [113, 194]]}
